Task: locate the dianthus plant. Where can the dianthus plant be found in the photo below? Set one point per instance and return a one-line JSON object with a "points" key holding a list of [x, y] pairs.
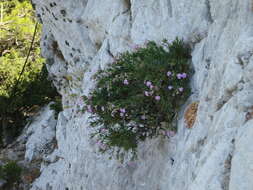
{"points": [[139, 95]]}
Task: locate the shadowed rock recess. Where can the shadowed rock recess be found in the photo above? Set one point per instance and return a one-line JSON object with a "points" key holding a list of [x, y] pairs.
{"points": [[82, 36]]}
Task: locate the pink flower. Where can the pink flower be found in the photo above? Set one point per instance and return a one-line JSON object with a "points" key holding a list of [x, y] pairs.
{"points": [[183, 75], [179, 76], [122, 110], [148, 83], [151, 86], [170, 87], [125, 82], [157, 98], [181, 89], [169, 73], [146, 93]]}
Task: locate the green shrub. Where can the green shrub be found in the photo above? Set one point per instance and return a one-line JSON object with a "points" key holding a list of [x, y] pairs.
{"points": [[29, 96], [139, 95], [11, 172]]}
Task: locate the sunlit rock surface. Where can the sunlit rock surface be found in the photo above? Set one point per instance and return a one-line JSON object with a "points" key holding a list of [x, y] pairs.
{"points": [[81, 36], [41, 135]]}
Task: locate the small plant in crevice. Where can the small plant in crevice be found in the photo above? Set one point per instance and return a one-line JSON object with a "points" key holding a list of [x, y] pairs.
{"points": [[139, 95], [11, 172], [56, 106]]}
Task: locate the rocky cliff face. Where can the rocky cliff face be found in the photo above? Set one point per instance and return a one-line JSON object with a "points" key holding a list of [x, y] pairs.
{"points": [[81, 36]]}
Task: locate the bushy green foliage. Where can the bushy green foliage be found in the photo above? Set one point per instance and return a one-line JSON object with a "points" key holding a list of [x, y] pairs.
{"points": [[15, 39], [34, 89], [11, 172], [139, 95]]}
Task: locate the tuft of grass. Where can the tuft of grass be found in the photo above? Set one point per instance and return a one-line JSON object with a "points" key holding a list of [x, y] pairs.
{"points": [[56, 106]]}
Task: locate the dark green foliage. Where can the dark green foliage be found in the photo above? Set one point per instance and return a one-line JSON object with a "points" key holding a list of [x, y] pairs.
{"points": [[29, 96], [20, 100], [10, 172], [38, 92], [122, 138], [140, 94]]}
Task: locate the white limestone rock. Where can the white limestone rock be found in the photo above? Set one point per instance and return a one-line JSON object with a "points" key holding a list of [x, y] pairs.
{"points": [[215, 154], [242, 162], [41, 134]]}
